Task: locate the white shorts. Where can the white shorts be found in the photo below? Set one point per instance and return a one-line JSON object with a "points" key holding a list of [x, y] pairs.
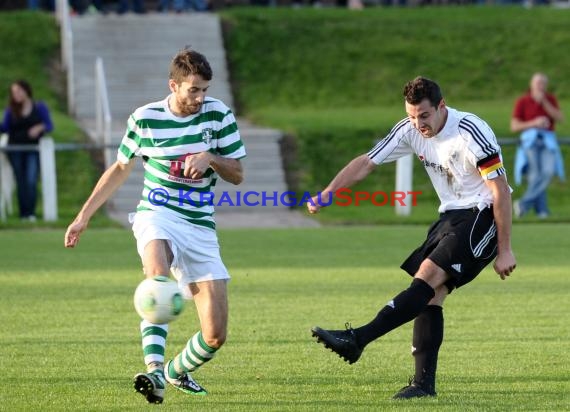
{"points": [[195, 248]]}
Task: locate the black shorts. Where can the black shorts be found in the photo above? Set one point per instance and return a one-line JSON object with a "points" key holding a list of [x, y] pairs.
{"points": [[462, 242]]}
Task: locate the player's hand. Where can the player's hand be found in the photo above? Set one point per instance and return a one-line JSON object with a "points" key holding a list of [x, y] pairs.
{"points": [[319, 201], [73, 232], [504, 264], [313, 205], [195, 165]]}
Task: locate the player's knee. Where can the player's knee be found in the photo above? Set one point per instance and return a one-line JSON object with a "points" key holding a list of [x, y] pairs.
{"points": [[151, 271], [440, 295], [432, 274], [215, 340]]}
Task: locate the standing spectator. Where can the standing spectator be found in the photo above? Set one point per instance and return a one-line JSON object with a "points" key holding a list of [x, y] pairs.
{"points": [[137, 6], [88, 6], [180, 6], [25, 121], [48, 5], [538, 155]]}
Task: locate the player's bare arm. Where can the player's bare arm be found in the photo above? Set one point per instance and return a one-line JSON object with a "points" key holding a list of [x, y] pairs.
{"points": [[505, 262], [352, 173], [108, 183], [230, 170]]}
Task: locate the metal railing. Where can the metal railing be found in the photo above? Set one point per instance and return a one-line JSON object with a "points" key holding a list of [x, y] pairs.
{"points": [[66, 35], [405, 167], [46, 149], [102, 111]]}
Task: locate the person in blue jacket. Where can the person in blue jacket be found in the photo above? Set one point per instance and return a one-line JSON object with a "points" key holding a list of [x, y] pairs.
{"points": [[25, 121], [538, 155]]}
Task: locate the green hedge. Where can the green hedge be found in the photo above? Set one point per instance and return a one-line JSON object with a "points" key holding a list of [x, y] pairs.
{"points": [[32, 52], [333, 79]]}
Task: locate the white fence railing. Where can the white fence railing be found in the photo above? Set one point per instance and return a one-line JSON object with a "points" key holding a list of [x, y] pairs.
{"points": [[102, 111], [405, 171], [46, 148], [66, 35]]}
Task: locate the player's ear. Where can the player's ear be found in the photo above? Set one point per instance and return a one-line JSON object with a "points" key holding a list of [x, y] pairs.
{"points": [[441, 104], [172, 85]]}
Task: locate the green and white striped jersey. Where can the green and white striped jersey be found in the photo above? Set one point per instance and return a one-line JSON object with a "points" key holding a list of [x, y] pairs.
{"points": [[164, 140]]}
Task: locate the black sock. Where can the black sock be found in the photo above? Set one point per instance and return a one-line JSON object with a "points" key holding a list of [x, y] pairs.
{"points": [[403, 308], [428, 335]]}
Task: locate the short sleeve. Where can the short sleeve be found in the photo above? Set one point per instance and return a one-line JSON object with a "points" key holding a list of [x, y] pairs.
{"points": [[482, 143], [130, 144], [393, 146], [518, 112], [229, 143]]}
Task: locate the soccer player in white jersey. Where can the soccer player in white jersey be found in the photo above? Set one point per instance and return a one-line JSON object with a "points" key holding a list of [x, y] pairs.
{"points": [[186, 142], [463, 160]]}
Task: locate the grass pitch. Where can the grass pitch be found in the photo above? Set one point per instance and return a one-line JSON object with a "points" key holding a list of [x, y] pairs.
{"points": [[71, 339]]}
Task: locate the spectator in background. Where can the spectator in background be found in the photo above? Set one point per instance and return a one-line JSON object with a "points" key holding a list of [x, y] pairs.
{"points": [[180, 6], [538, 155], [48, 5], [137, 6], [25, 121], [88, 6]]}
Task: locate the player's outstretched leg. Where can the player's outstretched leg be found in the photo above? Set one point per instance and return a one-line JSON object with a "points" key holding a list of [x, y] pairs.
{"points": [[184, 382], [194, 355], [349, 343], [342, 342]]}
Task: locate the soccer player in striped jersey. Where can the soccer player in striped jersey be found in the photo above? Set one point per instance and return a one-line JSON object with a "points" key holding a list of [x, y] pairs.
{"points": [[186, 142], [463, 160]]}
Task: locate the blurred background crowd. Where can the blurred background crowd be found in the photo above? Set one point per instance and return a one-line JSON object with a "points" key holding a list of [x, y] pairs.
{"points": [[179, 6]]}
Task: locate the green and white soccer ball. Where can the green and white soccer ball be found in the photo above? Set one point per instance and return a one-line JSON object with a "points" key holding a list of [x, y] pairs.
{"points": [[158, 300]]}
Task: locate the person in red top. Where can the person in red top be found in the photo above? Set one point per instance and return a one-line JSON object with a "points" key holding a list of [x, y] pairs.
{"points": [[534, 116]]}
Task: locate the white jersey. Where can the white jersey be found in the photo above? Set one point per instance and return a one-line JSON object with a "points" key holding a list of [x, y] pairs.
{"points": [[163, 140], [457, 159]]}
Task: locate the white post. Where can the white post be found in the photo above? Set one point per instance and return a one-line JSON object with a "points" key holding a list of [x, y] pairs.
{"points": [[66, 39], [61, 11], [49, 178], [404, 172], [98, 105], [102, 111], [70, 72], [107, 141], [7, 181]]}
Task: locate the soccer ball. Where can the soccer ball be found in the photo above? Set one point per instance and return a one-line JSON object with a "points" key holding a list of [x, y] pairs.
{"points": [[158, 300]]}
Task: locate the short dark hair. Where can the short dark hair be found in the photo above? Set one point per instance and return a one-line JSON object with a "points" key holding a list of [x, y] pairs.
{"points": [[422, 88], [189, 62]]}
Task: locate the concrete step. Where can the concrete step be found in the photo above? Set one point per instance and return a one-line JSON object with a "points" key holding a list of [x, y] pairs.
{"points": [[136, 52]]}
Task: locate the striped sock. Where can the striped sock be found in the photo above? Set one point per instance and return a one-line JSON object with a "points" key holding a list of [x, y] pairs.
{"points": [[195, 354], [153, 344]]}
